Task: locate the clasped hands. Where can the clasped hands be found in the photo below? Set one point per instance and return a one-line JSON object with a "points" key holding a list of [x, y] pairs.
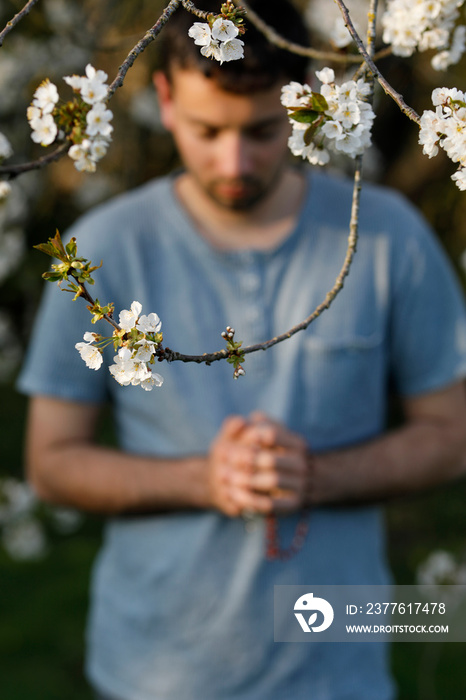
{"points": [[258, 465]]}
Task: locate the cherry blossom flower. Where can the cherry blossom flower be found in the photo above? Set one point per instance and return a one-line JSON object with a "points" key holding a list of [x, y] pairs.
{"points": [[5, 191], [224, 30], [128, 318], [423, 25], [5, 147], [98, 121], [149, 324], [45, 130], [220, 42], [91, 355], [74, 81], [338, 118], [44, 117], [446, 128], [46, 97]]}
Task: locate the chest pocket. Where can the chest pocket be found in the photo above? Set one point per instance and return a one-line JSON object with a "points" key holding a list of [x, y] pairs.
{"points": [[344, 381]]}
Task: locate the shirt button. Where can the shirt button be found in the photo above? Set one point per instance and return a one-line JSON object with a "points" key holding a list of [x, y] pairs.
{"points": [[250, 283]]}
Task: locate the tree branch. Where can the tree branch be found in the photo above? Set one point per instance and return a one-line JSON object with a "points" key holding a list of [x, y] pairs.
{"points": [[142, 44], [17, 18], [14, 170], [190, 7], [208, 358], [387, 88], [275, 38]]}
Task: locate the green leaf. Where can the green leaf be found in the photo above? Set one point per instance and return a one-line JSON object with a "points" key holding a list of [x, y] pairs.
{"points": [[318, 102], [303, 115], [311, 131]]}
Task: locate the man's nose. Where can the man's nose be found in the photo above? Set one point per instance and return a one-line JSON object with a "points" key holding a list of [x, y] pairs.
{"points": [[235, 156]]}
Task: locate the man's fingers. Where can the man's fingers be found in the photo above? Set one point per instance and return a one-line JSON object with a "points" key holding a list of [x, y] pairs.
{"points": [[232, 427], [267, 432], [263, 504]]}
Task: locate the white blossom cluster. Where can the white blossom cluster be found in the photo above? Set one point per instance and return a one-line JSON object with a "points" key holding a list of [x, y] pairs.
{"points": [[5, 147], [133, 360], [422, 25], [23, 535], [446, 128], [93, 143], [219, 42], [324, 20], [344, 126], [5, 152]]}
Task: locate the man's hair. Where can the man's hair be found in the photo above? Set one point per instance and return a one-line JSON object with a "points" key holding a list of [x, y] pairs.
{"points": [[263, 64]]}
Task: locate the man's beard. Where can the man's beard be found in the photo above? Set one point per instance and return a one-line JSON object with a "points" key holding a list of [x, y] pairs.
{"points": [[245, 194]]}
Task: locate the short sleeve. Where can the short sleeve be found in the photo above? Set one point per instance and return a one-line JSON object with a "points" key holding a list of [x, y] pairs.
{"points": [[53, 367], [428, 319]]}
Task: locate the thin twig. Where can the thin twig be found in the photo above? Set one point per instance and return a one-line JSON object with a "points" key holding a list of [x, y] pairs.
{"points": [[17, 18], [190, 7], [272, 35], [85, 295], [387, 88], [14, 170], [142, 44], [170, 355], [283, 43]]}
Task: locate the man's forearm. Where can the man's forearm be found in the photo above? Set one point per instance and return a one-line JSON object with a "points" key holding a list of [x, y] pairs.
{"points": [[412, 458], [108, 481]]}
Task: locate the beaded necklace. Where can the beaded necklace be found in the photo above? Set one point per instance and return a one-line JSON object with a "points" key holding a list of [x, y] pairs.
{"points": [[272, 537]]}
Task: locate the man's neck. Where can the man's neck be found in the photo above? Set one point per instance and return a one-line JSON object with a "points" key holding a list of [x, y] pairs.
{"points": [[262, 227]]}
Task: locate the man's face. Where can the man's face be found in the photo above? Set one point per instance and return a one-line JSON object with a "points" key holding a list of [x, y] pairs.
{"points": [[233, 146]]}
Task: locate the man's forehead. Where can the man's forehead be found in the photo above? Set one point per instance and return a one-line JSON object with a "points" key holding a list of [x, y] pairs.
{"points": [[203, 100]]}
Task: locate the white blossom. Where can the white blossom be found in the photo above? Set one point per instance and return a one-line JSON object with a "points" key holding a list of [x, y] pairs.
{"points": [[98, 149], [294, 94], [423, 25], [149, 324], [5, 147], [128, 318], [326, 75], [24, 539], [98, 121], [145, 350], [74, 81], [231, 50], [91, 355], [98, 76], [5, 191], [220, 42], [200, 32], [341, 122], [459, 178], [46, 97], [224, 30], [123, 369], [446, 128], [45, 130], [153, 380], [93, 91]]}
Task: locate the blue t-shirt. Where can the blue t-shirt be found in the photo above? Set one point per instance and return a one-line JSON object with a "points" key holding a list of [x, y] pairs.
{"points": [[182, 602]]}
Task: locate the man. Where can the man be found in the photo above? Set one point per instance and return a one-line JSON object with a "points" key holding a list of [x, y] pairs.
{"points": [[182, 603]]}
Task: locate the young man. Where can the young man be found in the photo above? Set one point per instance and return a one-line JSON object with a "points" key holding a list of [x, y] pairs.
{"points": [[182, 603]]}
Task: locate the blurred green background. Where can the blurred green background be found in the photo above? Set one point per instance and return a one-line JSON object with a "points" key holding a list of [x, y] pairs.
{"points": [[45, 556]]}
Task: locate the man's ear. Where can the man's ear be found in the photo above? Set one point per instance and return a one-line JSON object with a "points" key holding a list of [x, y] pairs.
{"points": [[163, 89]]}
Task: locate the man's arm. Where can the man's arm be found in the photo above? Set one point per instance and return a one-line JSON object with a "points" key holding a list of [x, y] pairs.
{"points": [[65, 466], [430, 448]]}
